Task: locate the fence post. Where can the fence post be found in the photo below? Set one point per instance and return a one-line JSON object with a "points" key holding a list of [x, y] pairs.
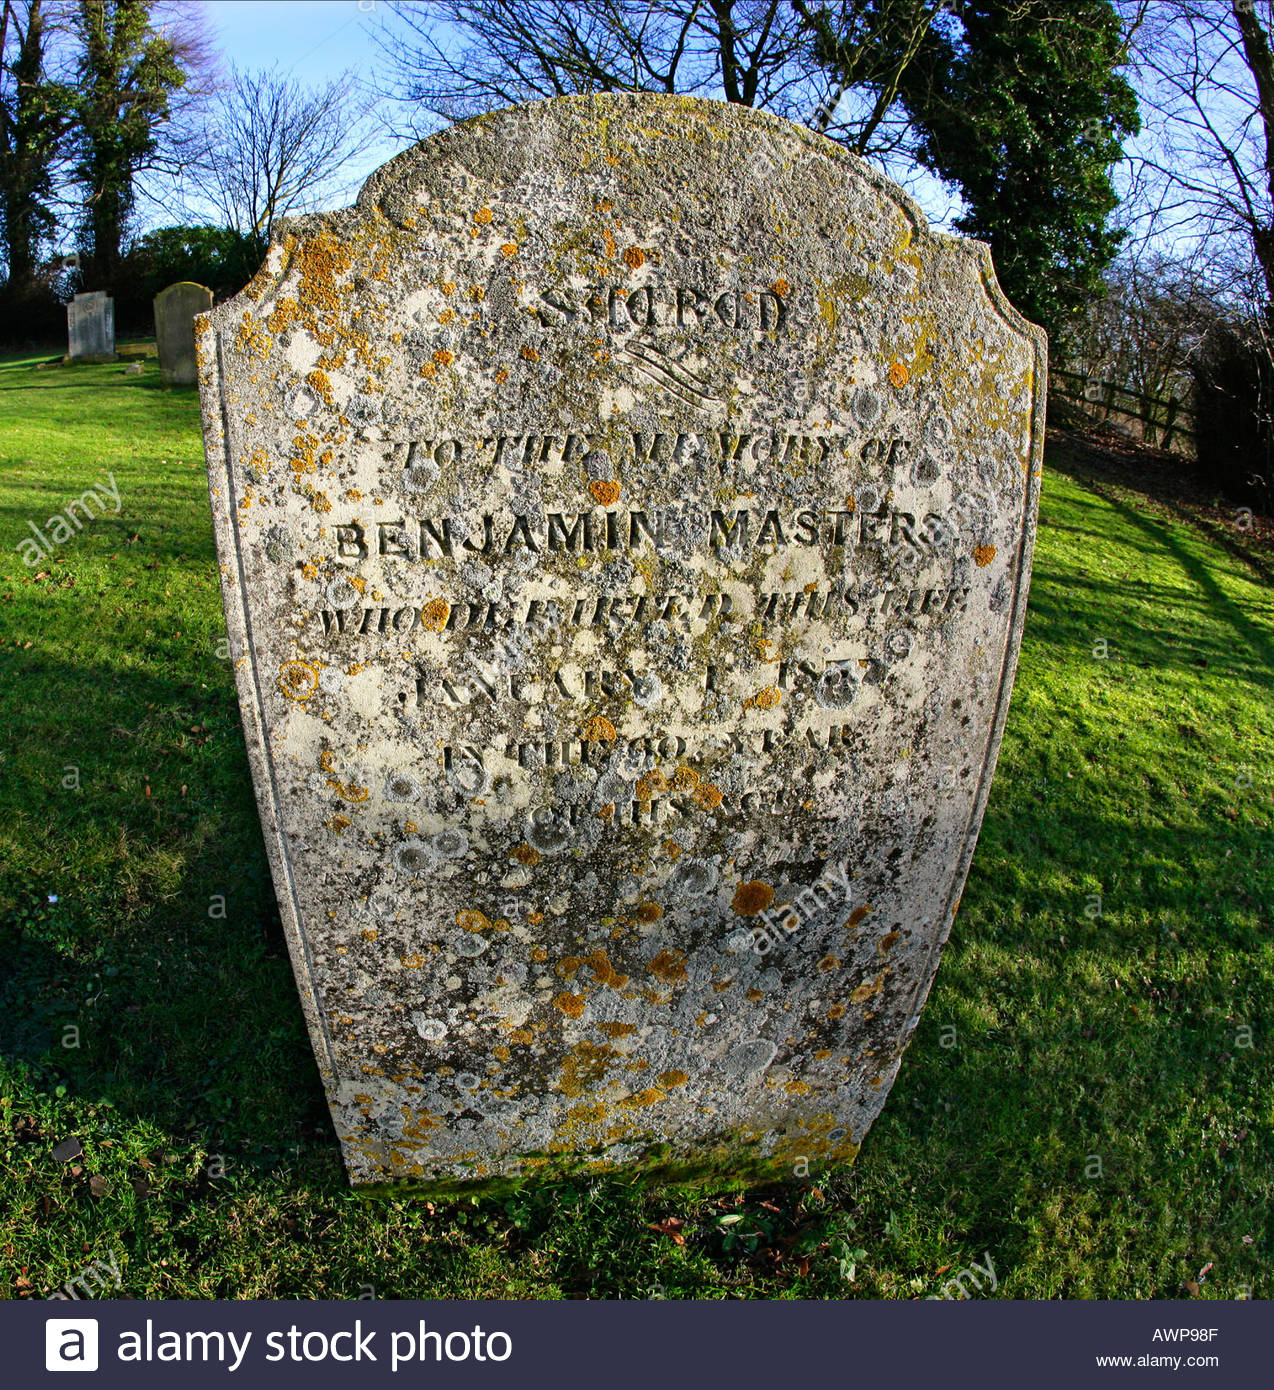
{"points": [[1173, 404]]}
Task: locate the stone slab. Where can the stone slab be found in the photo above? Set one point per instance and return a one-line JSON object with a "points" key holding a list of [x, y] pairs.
{"points": [[175, 310], [625, 516], [90, 327]]}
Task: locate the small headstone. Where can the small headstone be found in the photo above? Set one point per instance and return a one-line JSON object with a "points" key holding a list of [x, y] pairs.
{"points": [[625, 517], [175, 310], [133, 369], [90, 327]]}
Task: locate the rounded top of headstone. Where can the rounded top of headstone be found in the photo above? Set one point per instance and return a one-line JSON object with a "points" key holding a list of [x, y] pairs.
{"points": [[185, 286], [698, 170]]}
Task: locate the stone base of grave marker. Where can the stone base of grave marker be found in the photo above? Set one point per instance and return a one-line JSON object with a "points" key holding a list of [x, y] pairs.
{"points": [[625, 516]]}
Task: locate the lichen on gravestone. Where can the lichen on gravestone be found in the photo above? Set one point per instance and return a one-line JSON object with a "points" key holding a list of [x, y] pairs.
{"points": [[625, 515]]}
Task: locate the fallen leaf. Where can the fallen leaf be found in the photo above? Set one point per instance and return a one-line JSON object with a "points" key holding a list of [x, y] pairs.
{"points": [[1192, 1288], [67, 1149]]}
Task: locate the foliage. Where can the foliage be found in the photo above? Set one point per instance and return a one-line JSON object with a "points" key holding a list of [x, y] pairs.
{"points": [[128, 72], [35, 111], [1080, 1101], [1022, 107], [219, 257]]}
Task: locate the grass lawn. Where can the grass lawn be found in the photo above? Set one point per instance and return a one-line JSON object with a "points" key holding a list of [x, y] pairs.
{"points": [[1088, 1099]]}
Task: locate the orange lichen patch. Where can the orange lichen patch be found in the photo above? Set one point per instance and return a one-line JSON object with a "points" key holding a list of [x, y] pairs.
{"points": [[672, 849], [612, 159], [769, 697], [321, 260], [755, 996], [298, 680], [606, 812], [780, 286], [535, 918], [482, 216], [530, 353], [683, 780], [470, 919], [339, 823], [823, 1053], [599, 964], [444, 358], [434, 614], [752, 897], [522, 1037], [428, 369], [526, 854], [568, 967], [983, 555], [829, 963], [572, 1005], [446, 316], [856, 916], [501, 1052], [668, 966], [352, 494], [707, 795], [651, 785], [670, 1080], [898, 374], [599, 729], [650, 1096], [586, 1114], [605, 491], [604, 205], [412, 962], [319, 501], [502, 375], [649, 912], [886, 942], [836, 1011], [609, 238], [253, 339], [509, 249], [618, 1030], [867, 989], [352, 793], [634, 258], [586, 1065], [797, 1088], [319, 381]]}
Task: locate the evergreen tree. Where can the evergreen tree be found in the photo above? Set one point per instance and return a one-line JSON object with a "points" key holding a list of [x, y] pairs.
{"points": [[1022, 107], [128, 72]]}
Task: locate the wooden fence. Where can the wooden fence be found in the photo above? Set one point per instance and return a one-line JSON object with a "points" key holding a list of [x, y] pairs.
{"points": [[1163, 416]]}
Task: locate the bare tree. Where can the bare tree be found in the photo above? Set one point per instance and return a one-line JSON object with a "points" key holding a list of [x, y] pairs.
{"points": [[1204, 172], [276, 147], [458, 58]]}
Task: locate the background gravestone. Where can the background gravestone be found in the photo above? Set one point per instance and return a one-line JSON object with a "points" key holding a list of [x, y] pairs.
{"points": [[90, 327], [175, 310], [625, 516]]}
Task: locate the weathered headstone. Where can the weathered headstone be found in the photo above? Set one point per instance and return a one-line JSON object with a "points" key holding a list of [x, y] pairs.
{"points": [[625, 516], [90, 327], [175, 310]]}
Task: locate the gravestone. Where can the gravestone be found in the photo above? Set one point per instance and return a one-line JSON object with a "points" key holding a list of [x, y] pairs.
{"points": [[625, 517], [90, 327], [175, 310]]}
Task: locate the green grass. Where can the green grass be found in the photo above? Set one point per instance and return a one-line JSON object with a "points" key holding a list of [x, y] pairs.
{"points": [[1078, 1102]]}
